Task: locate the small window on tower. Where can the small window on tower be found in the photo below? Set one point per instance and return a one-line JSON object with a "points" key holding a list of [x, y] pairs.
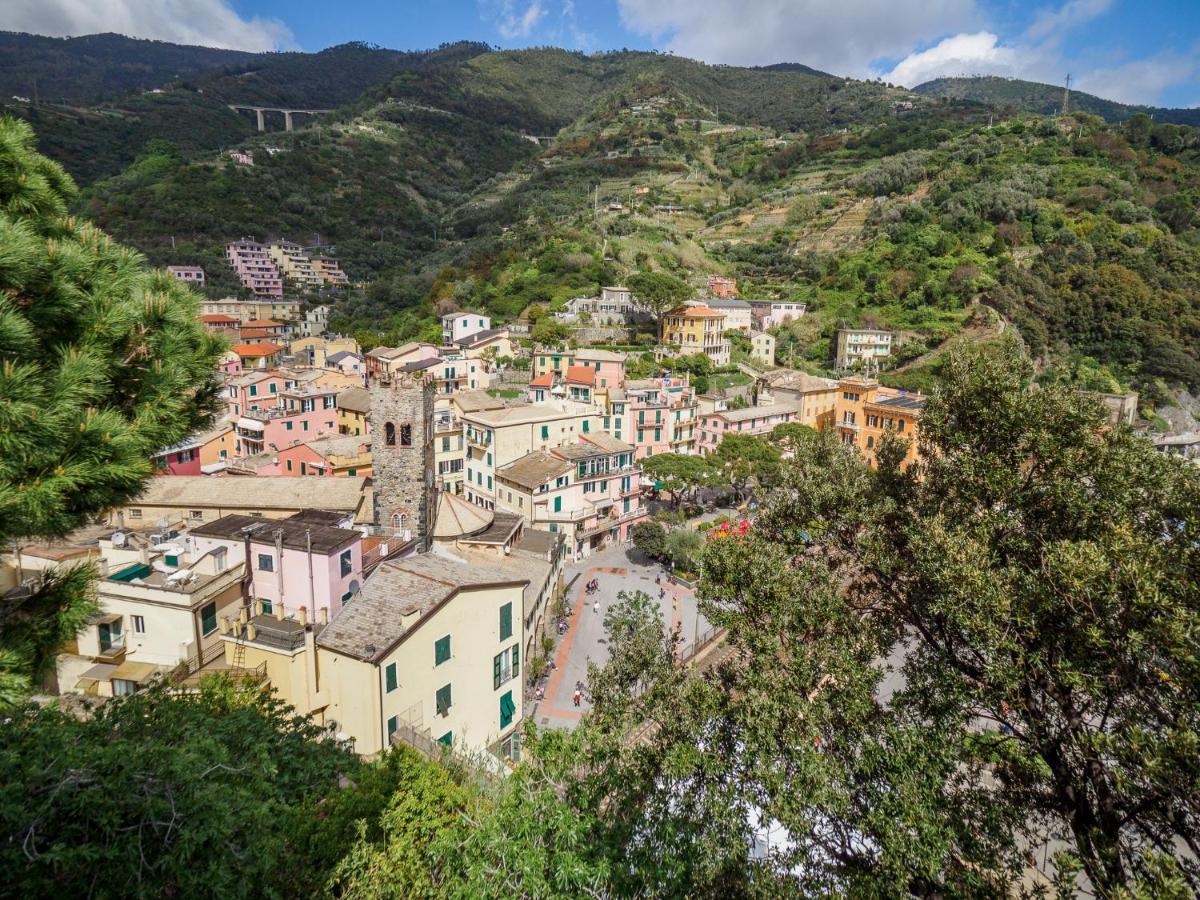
{"points": [[389, 434], [405, 435]]}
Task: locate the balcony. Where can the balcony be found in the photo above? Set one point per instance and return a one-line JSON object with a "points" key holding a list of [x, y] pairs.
{"points": [[563, 515], [479, 439], [441, 426]]}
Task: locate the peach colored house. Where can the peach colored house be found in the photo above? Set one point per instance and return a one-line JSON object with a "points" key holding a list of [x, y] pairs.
{"points": [[330, 456], [753, 420], [299, 561]]}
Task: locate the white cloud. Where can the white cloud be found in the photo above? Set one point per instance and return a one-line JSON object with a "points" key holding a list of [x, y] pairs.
{"points": [[513, 22], [1143, 80], [963, 54], [843, 37], [209, 23]]}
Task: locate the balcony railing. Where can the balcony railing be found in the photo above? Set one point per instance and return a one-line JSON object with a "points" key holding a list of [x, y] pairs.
{"points": [[564, 515]]}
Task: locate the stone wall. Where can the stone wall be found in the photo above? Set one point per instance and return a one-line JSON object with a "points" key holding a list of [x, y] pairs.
{"points": [[402, 455]]}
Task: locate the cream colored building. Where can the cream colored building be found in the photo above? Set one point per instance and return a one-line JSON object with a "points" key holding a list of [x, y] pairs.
{"points": [[430, 652], [201, 498], [449, 444], [762, 348], [497, 437], [295, 265], [160, 602]]}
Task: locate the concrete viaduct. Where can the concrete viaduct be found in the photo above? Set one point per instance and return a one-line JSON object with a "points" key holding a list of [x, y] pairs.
{"points": [[287, 114]]}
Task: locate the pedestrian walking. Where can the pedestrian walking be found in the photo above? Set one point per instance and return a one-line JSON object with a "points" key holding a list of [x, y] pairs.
{"points": [[596, 607], [578, 696]]}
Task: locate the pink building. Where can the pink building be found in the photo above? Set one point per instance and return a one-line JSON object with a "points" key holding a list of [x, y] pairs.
{"points": [[303, 412], [193, 275], [662, 416], [608, 366], [254, 268], [755, 420], [255, 390], [301, 561], [230, 364], [182, 459]]}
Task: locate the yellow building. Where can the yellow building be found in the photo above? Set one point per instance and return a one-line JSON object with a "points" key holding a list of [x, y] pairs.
{"points": [[328, 270], [697, 329], [315, 351], [274, 308], [866, 411], [354, 406], [429, 652], [217, 446], [815, 398]]}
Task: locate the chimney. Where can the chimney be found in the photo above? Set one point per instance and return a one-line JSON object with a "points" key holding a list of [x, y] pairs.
{"points": [[303, 616], [279, 611], [243, 616], [224, 624], [258, 607], [251, 632], [324, 615]]}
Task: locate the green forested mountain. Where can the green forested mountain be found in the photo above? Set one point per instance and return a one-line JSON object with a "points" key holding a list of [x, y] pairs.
{"points": [[1045, 99], [99, 66], [1080, 234], [189, 105]]}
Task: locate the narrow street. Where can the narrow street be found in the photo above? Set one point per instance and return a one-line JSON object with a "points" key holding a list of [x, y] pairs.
{"points": [[617, 569]]}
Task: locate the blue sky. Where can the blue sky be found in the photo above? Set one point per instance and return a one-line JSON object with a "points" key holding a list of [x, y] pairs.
{"points": [[1147, 52]]}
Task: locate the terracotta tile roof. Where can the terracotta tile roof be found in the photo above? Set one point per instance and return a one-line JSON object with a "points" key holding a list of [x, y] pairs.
{"points": [[266, 349], [546, 380], [698, 312], [581, 375], [218, 319]]}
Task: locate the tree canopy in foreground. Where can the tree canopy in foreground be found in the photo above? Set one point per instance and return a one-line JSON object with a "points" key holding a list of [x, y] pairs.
{"points": [[940, 672], [102, 363]]}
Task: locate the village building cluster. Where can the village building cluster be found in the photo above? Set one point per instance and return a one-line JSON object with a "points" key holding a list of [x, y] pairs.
{"points": [[381, 537]]}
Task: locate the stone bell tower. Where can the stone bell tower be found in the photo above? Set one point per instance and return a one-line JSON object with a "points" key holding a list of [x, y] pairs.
{"points": [[402, 454]]}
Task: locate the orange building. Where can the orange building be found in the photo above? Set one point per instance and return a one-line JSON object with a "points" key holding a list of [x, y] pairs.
{"points": [[866, 411]]}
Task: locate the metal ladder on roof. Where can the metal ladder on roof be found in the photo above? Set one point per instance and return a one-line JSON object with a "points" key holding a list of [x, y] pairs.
{"points": [[239, 651]]}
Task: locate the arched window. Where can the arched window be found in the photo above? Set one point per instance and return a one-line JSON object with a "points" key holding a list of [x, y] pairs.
{"points": [[405, 435], [389, 434]]}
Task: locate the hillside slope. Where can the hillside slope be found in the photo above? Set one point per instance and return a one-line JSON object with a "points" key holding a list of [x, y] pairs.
{"points": [[99, 66], [1045, 99], [95, 140]]}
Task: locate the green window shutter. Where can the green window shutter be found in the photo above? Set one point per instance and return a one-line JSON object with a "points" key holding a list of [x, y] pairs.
{"points": [[352, 472], [390, 672], [208, 619], [507, 708], [172, 560], [496, 671], [558, 504], [545, 432], [346, 597], [441, 650], [506, 621], [267, 606], [516, 653], [447, 739], [392, 725], [253, 390], [442, 701], [585, 426]]}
